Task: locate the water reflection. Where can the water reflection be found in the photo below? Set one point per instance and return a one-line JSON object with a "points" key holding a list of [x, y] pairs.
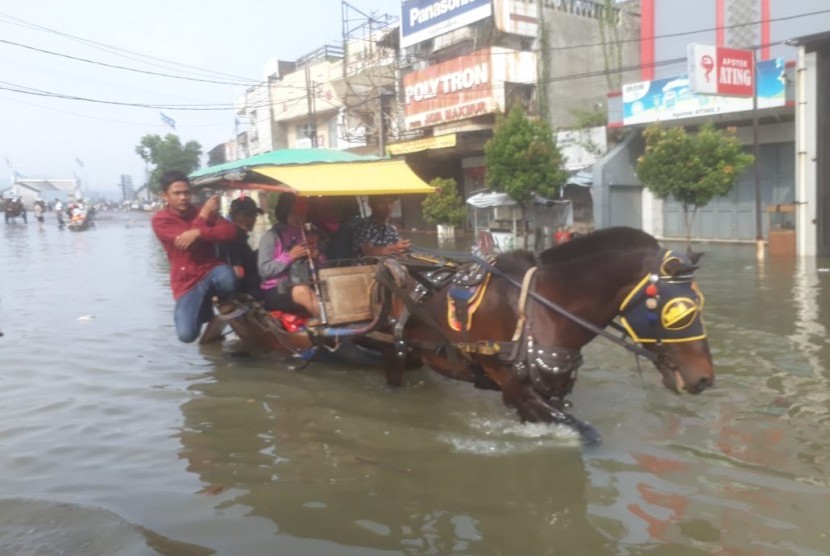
{"points": [[343, 476], [240, 456]]}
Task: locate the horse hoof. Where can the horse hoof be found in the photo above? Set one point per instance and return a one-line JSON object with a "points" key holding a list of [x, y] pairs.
{"points": [[589, 435]]}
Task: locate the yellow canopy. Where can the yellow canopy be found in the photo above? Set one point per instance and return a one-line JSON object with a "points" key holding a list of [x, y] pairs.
{"points": [[376, 177]]}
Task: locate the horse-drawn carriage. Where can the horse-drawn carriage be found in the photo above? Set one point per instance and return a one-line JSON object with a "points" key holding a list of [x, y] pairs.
{"points": [[511, 322], [13, 208]]}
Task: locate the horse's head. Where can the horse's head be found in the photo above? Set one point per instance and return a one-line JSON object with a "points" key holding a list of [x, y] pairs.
{"points": [[664, 314]]}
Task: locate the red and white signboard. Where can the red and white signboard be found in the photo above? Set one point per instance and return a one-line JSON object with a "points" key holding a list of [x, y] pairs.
{"points": [[715, 70]]}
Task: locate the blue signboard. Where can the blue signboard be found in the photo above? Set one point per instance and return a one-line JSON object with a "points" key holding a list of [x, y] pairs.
{"points": [[425, 19], [671, 99]]}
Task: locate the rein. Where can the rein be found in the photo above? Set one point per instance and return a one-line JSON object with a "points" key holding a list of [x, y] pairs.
{"points": [[635, 349]]}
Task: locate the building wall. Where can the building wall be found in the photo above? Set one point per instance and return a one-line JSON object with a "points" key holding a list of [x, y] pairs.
{"points": [[680, 22], [806, 152], [305, 99], [577, 64], [822, 111], [258, 119]]}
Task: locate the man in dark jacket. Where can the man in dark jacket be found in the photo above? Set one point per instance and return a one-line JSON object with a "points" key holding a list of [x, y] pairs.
{"points": [[238, 252], [188, 232]]}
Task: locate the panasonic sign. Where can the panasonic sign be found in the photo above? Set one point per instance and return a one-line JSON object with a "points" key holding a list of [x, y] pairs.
{"points": [[425, 19]]}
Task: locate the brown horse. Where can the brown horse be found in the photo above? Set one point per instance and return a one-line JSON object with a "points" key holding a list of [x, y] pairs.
{"points": [[525, 336]]}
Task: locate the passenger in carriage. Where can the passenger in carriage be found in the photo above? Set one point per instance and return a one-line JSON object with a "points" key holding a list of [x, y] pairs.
{"points": [[376, 236], [285, 257], [238, 252], [336, 218]]}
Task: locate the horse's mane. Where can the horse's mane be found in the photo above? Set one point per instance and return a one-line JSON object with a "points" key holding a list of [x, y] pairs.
{"points": [[516, 262], [606, 239]]}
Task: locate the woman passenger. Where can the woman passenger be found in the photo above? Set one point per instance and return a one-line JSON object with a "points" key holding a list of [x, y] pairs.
{"points": [[283, 260]]}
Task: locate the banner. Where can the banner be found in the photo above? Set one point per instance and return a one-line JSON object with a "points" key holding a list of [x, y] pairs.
{"points": [[672, 98], [425, 19]]}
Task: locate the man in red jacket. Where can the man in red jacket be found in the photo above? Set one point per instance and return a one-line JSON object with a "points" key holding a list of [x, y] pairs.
{"points": [[188, 232]]}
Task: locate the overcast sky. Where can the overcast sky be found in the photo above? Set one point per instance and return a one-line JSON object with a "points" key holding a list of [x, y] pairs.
{"points": [[43, 136]]}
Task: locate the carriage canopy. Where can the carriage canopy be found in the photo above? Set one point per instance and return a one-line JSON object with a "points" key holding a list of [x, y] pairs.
{"points": [[320, 172]]}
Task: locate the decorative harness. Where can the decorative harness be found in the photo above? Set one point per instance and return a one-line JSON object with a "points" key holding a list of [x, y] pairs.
{"points": [[663, 308], [660, 308]]}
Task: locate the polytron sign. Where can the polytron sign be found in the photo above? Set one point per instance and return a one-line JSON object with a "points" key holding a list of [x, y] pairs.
{"points": [[723, 71], [453, 90]]}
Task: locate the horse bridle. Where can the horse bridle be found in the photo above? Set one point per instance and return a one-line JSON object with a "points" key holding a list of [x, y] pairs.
{"points": [[664, 308]]}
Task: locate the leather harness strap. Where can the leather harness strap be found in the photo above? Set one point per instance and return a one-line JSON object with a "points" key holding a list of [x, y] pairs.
{"points": [[517, 334]]}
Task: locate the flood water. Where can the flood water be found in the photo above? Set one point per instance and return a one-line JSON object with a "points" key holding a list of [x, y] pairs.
{"points": [[116, 439]]}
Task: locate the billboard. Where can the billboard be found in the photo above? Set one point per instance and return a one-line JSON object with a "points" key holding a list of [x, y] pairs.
{"points": [[716, 70], [673, 99], [425, 19], [464, 87]]}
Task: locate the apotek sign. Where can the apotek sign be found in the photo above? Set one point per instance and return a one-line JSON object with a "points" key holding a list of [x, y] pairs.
{"points": [[716, 70]]}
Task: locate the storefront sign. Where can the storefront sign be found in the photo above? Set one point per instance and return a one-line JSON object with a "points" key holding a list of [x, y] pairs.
{"points": [[464, 87], [425, 19], [418, 145], [673, 99], [456, 89], [715, 70]]}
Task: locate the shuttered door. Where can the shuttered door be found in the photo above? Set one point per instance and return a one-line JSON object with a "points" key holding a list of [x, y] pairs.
{"points": [[732, 217], [626, 204]]}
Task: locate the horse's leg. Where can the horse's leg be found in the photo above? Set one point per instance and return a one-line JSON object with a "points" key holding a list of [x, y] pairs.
{"points": [[393, 366], [534, 408]]}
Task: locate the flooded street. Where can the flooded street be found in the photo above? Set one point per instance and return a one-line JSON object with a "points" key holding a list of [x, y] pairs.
{"points": [[119, 440]]}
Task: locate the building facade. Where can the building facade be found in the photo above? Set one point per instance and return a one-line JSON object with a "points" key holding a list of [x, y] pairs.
{"points": [[463, 67], [663, 94], [812, 152]]}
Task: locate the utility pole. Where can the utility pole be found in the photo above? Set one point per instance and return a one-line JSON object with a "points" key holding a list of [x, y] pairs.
{"points": [[381, 125], [383, 95], [312, 120], [756, 150]]}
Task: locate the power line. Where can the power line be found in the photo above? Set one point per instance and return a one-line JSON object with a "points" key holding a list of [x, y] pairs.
{"points": [[694, 32], [117, 50], [599, 73], [124, 68], [42, 93], [86, 116]]}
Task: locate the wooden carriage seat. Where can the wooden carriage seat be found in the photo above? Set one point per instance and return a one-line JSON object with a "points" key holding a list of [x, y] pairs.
{"points": [[347, 293]]}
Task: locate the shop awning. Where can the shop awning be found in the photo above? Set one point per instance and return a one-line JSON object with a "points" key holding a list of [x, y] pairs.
{"points": [[494, 199], [379, 177]]}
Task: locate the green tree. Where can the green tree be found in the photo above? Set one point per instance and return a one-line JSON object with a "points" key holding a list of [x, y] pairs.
{"points": [[168, 154], [522, 159], [445, 206], [693, 168]]}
